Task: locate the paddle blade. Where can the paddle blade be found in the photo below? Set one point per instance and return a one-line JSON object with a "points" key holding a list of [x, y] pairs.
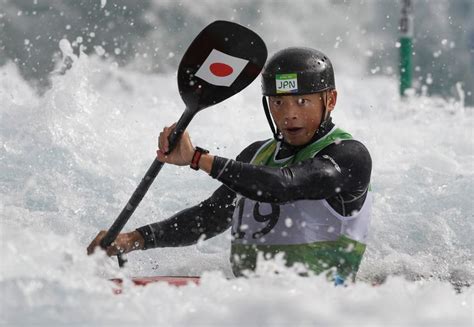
{"points": [[221, 61]]}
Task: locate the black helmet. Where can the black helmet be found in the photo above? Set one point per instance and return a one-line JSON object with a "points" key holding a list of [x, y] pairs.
{"points": [[293, 71], [297, 71]]}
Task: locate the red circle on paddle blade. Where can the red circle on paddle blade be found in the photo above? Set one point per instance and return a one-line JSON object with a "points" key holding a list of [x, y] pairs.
{"points": [[220, 69]]}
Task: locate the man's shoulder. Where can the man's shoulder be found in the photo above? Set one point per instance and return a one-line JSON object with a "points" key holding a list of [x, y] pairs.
{"points": [[248, 153], [350, 150], [352, 144]]}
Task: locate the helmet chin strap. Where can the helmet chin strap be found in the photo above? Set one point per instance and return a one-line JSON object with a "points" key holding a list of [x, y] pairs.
{"points": [[324, 119], [276, 133]]}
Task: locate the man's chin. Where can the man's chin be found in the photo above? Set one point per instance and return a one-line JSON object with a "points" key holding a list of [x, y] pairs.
{"points": [[295, 141]]}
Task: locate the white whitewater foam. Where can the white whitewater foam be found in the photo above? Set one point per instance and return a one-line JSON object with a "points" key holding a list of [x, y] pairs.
{"points": [[71, 158]]}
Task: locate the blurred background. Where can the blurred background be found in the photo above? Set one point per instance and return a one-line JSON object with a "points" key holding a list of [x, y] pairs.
{"points": [[360, 36]]}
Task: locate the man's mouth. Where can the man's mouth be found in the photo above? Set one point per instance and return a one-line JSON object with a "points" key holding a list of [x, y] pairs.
{"points": [[294, 130]]}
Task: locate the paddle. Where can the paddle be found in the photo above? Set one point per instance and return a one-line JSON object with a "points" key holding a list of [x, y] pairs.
{"points": [[221, 61]]}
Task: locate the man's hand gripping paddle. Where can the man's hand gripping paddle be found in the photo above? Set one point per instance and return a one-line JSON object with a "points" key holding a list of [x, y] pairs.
{"points": [[221, 61]]}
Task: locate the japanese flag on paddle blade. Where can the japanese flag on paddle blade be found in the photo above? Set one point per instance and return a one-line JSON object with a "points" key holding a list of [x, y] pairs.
{"points": [[220, 68]]}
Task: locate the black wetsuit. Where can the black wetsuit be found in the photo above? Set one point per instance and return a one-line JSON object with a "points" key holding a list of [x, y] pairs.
{"points": [[340, 173]]}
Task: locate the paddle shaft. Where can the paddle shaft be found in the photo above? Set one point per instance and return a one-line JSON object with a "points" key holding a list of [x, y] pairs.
{"points": [[200, 87], [144, 185]]}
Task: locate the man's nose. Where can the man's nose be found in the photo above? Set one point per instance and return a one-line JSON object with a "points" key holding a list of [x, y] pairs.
{"points": [[291, 111]]}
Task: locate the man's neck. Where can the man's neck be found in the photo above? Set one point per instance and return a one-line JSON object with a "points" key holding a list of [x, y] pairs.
{"points": [[287, 150]]}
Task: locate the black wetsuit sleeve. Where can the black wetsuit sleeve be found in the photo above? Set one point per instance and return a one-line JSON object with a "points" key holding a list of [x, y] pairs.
{"points": [[341, 169], [205, 220]]}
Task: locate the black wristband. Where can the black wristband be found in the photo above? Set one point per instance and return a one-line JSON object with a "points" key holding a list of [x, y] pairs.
{"points": [[197, 157]]}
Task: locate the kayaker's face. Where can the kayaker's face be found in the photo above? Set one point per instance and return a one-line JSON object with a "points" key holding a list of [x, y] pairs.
{"points": [[299, 116]]}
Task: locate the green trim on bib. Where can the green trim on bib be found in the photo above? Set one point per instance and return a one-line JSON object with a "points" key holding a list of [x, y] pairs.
{"points": [[266, 154], [344, 254]]}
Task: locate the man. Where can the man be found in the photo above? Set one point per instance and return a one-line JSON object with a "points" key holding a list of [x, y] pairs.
{"points": [[305, 193]]}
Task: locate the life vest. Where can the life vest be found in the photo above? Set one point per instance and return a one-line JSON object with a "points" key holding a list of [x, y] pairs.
{"points": [[305, 231]]}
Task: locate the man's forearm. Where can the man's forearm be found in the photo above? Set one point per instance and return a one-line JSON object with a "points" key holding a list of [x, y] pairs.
{"points": [[339, 169], [205, 163], [279, 185], [209, 218]]}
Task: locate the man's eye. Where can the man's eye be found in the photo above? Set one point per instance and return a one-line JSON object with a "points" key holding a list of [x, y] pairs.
{"points": [[302, 101], [277, 102]]}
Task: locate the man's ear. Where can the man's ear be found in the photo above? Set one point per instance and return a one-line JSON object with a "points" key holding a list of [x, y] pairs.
{"points": [[332, 99]]}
